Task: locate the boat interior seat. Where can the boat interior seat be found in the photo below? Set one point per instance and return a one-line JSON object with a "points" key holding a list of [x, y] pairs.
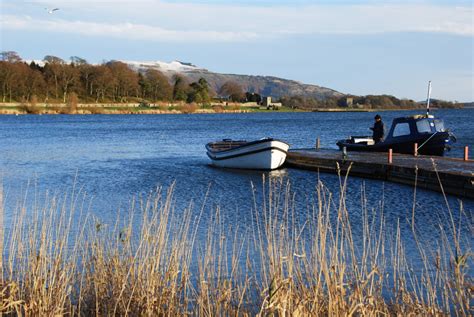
{"points": [[363, 140], [225, 145]]}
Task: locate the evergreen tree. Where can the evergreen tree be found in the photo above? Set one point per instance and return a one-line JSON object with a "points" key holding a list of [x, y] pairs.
{"points": [[199, 92], [180, 89]]}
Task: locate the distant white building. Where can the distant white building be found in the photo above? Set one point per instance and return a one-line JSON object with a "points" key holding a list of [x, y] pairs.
{"points": [[267, 103]]}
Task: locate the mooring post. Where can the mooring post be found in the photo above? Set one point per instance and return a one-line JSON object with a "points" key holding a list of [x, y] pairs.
{"points": [[415, 149], [390, 156], [466, 153], [318, 143]]}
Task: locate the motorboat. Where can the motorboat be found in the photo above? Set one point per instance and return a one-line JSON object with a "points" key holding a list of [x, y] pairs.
{"points": [[264, 154], [428, 132]]}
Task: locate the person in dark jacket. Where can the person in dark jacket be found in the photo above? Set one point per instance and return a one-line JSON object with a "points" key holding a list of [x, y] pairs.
{"points": [[378, 129]]}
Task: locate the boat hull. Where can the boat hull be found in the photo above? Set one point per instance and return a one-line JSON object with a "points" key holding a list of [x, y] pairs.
{"points": [[263, 154]]}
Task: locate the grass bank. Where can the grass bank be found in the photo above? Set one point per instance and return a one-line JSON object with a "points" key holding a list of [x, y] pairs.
{"points": [[60, 260], [129, 108]]}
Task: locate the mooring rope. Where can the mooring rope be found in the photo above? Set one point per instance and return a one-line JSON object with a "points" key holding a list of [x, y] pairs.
{"points": [[428, 139]]}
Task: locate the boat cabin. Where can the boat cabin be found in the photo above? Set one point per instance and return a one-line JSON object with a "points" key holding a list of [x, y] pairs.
{"points": [[415, 125]]}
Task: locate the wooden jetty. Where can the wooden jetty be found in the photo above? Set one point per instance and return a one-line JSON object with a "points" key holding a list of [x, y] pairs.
{"points": [[451, 175]]}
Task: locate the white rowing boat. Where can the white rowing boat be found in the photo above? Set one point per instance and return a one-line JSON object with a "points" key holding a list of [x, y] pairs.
{"points": [[265, 154]]}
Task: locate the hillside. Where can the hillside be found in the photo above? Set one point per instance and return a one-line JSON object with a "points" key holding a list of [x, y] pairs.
{"points": [[264, 85]]}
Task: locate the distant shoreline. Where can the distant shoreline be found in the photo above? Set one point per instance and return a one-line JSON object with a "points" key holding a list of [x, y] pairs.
{"points": [[15, 108]]}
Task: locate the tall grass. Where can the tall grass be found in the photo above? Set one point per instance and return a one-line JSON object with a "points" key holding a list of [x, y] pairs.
{"points": [[155, 260]]}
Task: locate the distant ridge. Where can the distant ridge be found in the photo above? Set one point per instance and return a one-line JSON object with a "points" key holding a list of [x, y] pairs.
{"points": [[264, 85]]}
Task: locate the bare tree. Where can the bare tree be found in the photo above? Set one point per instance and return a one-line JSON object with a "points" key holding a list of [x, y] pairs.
{"points": [[68, 75], [10, 56], [232, 90], [102, 82], [8, 73], [35, 83], [52, 70], [157, 85], [86, 73], [126, 80], [77, 61]]}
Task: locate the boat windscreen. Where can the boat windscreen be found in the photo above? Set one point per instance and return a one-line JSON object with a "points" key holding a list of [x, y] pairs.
{"points": [[439, 125], [401, 129], [423, 126]]}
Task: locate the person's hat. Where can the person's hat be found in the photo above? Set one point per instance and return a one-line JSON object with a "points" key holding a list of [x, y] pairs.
{"points": [[377, 117]]}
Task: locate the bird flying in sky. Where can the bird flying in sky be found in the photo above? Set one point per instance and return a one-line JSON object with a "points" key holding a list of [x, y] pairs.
{"points": [[50, 11]]}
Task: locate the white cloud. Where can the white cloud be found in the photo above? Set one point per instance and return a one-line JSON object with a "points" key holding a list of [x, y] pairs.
{"points": [[162, 21], [121, 30]]}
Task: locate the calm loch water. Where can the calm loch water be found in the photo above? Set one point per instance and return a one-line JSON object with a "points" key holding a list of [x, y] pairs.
{"points": [[115, 158]]}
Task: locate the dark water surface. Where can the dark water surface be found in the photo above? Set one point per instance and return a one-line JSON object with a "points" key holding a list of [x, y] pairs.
{"points": [[117, 157]]}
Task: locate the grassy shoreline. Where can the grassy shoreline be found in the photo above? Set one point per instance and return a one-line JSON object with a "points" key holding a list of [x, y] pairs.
{"points": [[129, 108], [150, 262], [135, 108]]}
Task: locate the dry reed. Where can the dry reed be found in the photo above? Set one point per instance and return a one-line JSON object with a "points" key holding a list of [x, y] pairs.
{"points": [[152, 261]]}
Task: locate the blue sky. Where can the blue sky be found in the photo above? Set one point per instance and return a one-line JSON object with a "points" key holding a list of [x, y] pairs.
{"points": [[357, 47]]}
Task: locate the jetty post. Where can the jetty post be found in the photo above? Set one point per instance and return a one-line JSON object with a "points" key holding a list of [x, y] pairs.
{"points": [[318, 143], [466, 153], [390, 156]]}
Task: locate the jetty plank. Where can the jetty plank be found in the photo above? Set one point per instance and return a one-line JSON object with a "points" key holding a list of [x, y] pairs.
{"points": [[451, 175]]}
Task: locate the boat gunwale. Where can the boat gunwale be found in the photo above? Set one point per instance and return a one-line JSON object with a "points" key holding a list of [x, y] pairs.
{"points": [[244, 153], [210, 150]]}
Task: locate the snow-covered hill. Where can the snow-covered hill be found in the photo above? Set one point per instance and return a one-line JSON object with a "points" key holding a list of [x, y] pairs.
{"points": [[264, 85], [172, 67]]}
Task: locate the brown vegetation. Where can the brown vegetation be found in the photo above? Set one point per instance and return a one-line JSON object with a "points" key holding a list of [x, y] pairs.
{"points": [[218, 108], [32, 106], [112, 81], [96, 110], [163, 106], [152, 263], [188, 108], [71, 105], [234, 107]]}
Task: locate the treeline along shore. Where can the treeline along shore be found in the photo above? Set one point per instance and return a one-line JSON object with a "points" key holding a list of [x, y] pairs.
{"points": [[56, 86]]}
